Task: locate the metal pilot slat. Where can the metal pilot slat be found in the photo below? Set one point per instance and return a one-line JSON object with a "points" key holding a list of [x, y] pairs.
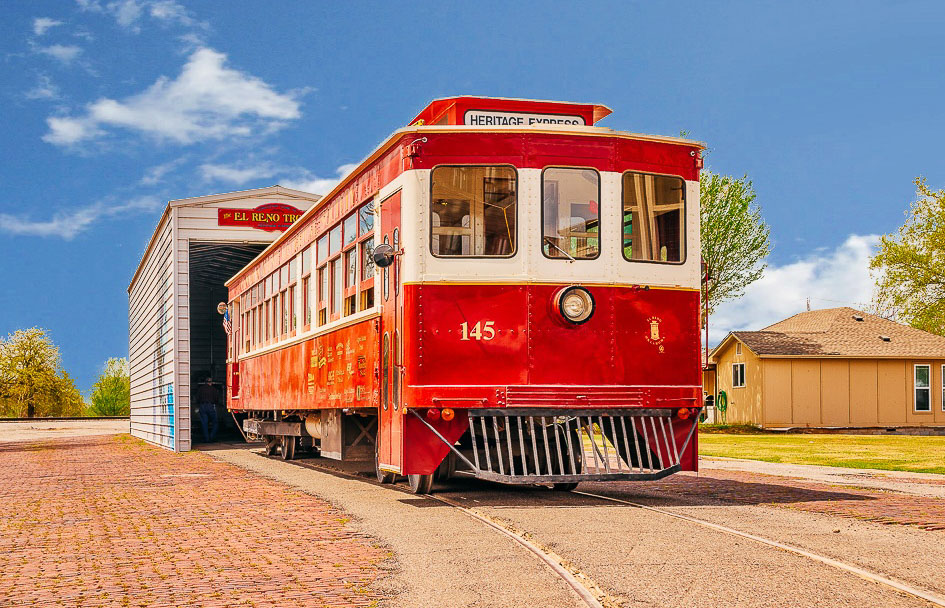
{"points": [[498, 446], [636, 444]]}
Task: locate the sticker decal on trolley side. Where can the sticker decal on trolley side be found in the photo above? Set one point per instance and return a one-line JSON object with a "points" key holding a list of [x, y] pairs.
{"points": [[482, 330]]}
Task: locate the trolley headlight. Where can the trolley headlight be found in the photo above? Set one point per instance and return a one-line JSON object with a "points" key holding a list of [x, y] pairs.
{"points": [[575, 304]]}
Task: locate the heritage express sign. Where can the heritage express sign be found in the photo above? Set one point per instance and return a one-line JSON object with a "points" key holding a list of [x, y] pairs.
{"points": [[270, 216]]}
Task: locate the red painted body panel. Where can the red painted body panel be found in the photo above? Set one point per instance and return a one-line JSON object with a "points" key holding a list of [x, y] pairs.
{"points": [[534, 345], [335, 370]]}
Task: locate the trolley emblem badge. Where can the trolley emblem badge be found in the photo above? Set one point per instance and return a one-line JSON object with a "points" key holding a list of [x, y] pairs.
{"points": [[654, 337]]}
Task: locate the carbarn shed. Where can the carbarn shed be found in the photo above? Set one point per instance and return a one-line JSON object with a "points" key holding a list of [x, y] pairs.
{"points": [[175, 334]]}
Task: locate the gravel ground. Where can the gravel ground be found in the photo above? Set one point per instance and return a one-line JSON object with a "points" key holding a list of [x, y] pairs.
{"points": [[639, 558], [55, 429], [446, 558], [649, 559], [918, 484]]}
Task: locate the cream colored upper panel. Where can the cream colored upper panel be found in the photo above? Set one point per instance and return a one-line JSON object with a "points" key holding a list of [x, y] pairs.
{"points": [[529, 263]]}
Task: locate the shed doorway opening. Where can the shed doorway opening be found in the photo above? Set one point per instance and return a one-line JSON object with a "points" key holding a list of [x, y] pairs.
{"points": [[211, 265]]}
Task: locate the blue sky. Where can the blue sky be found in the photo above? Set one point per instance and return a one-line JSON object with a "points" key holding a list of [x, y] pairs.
{"points": [[111, 108]]}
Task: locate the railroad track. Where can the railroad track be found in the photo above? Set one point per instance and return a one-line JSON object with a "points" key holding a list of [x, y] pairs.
{"points": [[588, 591]]}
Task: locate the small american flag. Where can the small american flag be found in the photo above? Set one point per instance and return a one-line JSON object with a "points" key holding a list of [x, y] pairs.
{"points": [[227, 326]]}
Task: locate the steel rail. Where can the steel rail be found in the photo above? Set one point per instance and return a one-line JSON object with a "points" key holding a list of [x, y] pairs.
{"points": [[929, 596], [582, 592]]}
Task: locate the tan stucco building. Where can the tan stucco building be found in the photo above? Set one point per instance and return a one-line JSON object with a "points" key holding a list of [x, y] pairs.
{"points": [[831, 368]]}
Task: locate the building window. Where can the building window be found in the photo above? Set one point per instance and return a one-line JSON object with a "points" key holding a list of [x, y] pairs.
{"points": [[570, 213], [923, 388], [473, 212], [653, 217], [738, 375], [738, 348]]}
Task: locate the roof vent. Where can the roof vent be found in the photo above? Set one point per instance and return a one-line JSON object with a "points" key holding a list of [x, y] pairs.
{"points": [[885, 338], [857, 317]]}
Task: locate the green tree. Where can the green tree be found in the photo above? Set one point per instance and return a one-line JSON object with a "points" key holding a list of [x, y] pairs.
{"points": [[32, 381], [111, 393], [735, 238], [910, 264]]}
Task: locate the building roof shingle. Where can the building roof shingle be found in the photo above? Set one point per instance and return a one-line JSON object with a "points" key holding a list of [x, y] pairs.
{"points": [[842, 332]]}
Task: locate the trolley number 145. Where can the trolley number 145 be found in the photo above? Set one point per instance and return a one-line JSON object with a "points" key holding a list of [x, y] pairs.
{"points": [[482, 330]]}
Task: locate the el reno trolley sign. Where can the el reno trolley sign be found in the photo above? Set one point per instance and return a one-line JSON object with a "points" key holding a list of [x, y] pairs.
{"points": [[271, 217], [494, 118]]}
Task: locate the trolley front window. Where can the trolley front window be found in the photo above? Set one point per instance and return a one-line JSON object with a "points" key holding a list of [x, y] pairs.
{"points": [[653, 218], [570, 213], [474, 211]]}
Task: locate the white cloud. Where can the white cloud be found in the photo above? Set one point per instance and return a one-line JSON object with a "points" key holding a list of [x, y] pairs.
{"points": [[237, 174], [830, 278], [65, 53], [44, 89], [42, 24], [128, 13], [155, 174], [206, 101], [68, 224], [319, 185], [170, 11]]}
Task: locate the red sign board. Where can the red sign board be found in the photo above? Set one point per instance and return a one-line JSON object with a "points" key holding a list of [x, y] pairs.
{"points": [[272, 217]]}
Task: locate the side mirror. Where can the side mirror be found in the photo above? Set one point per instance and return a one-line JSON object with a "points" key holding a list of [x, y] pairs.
{"points": [[383, 255]]}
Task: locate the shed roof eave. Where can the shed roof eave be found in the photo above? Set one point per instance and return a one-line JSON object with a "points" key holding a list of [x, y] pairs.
{"points": [[147, 250], [724, 344], [214, 198], [238, 194]]}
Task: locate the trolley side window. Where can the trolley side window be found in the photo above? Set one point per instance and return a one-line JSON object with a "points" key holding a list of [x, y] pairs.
{"points": [[653, 218], [570, 213], [473, 211]]}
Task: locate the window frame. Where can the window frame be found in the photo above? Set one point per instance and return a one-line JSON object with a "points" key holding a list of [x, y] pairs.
{"points": [[743, 375], [515, 247], [685, 224], [600, 214], [916, 389], [350, 248]]}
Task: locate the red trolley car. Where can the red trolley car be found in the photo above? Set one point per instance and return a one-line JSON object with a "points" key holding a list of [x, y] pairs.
{"points": [[500, 290]]}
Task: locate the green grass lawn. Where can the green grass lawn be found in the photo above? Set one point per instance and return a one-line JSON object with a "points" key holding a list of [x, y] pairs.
{"points": [[892, 453]]}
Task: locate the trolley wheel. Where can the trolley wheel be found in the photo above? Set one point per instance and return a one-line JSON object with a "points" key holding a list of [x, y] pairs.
{"points": [[564, 486], [420, 484], [288, 447], [382, 476], [271, 444]]}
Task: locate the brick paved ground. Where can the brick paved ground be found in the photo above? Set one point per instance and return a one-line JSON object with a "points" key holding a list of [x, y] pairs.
{"points": [[111, 521], [755, 488]]}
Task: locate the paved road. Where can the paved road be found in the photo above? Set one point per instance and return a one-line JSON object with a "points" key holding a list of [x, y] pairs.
{"points": [[52, 429], [919, 484], [642, 558]]}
